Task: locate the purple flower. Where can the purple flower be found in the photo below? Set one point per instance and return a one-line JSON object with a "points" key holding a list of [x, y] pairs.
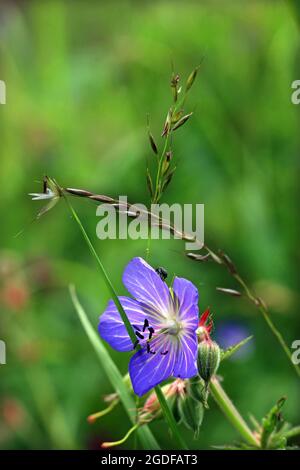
{"points": [[165, 322]]}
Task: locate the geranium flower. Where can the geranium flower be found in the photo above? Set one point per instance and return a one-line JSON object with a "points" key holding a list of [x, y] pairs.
{"points": [[165, 322]]}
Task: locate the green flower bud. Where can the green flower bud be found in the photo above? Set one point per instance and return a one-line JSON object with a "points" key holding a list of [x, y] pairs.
{"points": [[208, 359], [191, 413], [197, 389]]}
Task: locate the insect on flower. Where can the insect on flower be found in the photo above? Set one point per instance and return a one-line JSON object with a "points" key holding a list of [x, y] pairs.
{"points": [[165, 322]]}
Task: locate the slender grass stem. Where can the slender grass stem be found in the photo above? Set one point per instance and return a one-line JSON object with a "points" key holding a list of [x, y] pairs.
{"points": [[157, 192], [111, 289], [163, 403], [231, 413], [267, 319]]}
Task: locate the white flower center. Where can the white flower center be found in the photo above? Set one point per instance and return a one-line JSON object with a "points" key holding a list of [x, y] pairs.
{"points": [[172, 327]]}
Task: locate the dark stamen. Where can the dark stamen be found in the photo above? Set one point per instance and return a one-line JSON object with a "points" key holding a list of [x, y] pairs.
{"points": [[146, 324], [135, 344], [151, 331], [149, 349], [139, 335], [164, 353]]}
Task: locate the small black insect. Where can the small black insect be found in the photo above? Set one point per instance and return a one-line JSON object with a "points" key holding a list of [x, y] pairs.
{"points": [[162, 272]]}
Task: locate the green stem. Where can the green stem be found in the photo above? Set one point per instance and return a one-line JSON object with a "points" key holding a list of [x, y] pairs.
{"points": [[105, 445], [93, 417], [231, 413], [157, 194], [163, 403]]}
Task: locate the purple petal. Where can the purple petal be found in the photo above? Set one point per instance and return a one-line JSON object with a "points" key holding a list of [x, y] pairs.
{"points": [[148, 370], [143, 283], [111, 327], [186, 301], [185, 364]]}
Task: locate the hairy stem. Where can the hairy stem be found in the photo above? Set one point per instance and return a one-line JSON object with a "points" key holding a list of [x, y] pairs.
{"points": [[231, 413]]}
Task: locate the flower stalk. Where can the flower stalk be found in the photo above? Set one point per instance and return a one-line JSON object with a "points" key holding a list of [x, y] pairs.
{"points": [[231, 413], [93, 417], [106, 445]]}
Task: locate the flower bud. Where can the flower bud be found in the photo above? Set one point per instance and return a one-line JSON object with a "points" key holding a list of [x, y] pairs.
{"points": [[197, 389], [191, 413], [208, 359], [172, 392]]}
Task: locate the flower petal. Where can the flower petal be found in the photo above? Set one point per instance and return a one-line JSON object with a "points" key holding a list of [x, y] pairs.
{"points": [[111, 327], [148, 370], [186, 302], [185, 363], [143, 283]]}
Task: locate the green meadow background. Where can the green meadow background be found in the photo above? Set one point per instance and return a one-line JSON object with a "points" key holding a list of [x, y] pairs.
{"points": [[81, 78]]}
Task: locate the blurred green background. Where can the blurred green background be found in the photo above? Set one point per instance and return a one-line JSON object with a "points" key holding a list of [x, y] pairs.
{"points": [[81, 78]]}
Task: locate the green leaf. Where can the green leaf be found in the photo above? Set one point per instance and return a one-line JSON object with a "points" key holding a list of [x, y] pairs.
{"points": [[270, 424], [113, 374], [232, 349]]}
